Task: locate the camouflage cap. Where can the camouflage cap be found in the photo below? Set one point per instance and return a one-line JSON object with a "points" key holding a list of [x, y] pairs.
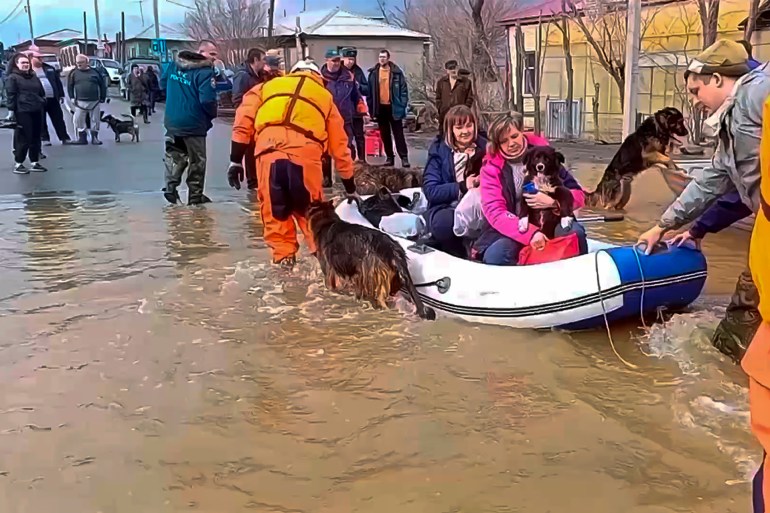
{"points": [[728, 58]]}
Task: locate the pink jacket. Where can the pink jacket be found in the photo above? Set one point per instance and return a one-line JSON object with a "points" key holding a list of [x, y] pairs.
{"points": [[493, 198]]}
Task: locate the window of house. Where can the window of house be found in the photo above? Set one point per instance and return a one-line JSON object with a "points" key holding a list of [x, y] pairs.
{"points": [[133, 51], [530, 73]]}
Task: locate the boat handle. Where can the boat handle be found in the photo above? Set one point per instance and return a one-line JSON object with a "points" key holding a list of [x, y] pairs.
{"points": [[442, 284]]}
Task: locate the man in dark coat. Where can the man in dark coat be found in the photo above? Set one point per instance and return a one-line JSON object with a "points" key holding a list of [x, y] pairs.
{"points": [[452, 89], [191, 106], [349, 56], [388, 98], [54, 97]]}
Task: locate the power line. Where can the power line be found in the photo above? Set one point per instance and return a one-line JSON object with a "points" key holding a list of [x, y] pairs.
{"points": [[181, 5], [13, 11]]}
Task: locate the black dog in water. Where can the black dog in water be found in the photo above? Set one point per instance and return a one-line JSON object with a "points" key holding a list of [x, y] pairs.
{"points": [[643, 149], [122, 126], [373, 263], [543, 165]]}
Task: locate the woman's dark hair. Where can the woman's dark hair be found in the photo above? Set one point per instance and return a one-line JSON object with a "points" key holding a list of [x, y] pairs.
{"points": [[458, 115], [13, 64]]}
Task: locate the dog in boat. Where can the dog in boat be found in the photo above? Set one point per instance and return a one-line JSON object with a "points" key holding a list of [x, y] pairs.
{"points": [[370, 179], [646, 147], [543, 166], [373, 263]]}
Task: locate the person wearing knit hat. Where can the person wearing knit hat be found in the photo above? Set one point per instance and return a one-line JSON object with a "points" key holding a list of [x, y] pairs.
{"points": [[720, 81], [349, 60]]}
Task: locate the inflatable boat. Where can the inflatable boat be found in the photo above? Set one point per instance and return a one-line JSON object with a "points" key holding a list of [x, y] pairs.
{"points": [[612, 282], [677, 179]]}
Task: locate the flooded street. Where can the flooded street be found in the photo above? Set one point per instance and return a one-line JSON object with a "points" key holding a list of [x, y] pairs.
{"points": [[152, 361]]}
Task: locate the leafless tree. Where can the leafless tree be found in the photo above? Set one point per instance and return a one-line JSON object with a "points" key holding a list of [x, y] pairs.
{"points": [[564, 28], [751, 21], [606, 34], [708, 10], [465, 30], [235, 25]]}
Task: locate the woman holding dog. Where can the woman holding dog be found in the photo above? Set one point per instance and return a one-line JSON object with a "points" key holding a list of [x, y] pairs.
{"points": [[502, 180], [454, 164]]}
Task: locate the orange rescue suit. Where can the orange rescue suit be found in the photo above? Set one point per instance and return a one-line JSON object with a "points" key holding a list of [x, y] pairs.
{"points": [[293, 122], [756, 362]]}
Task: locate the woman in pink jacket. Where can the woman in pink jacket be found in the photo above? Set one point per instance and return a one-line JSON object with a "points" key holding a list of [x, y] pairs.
{"points": [[502, 178]]}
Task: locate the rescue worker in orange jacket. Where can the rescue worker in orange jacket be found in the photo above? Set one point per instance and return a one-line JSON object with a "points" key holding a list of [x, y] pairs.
{"points": [[293, 122], [756, 362]]}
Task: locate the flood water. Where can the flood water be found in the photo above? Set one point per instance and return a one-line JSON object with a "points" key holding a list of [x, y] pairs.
{"points": [[152, 361]]}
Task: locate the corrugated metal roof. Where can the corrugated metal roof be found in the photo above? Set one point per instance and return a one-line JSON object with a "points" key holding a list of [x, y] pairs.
{"points": [[166, 32], [61, 35], [336, 22]]}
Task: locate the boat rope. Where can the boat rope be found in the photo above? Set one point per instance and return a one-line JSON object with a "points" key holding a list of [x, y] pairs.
{"points": [[604, 309], [442, 284]]}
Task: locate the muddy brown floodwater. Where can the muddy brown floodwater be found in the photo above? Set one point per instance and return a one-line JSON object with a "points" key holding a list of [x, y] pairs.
{"points": [[152, 362]]}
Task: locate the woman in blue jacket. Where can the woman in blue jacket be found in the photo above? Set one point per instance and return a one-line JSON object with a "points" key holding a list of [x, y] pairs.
{"points": [[454, 165]]}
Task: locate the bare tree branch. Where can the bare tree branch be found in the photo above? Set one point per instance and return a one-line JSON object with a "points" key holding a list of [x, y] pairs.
{"points": [[236, 25], [751, 21]]}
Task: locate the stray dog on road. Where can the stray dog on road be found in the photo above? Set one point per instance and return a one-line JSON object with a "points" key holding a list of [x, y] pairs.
{"points": [[543, 166], [122, 126], [369, 179], [641, 150], [373, 263]]}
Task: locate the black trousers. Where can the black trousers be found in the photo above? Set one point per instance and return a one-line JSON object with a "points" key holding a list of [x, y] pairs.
{"points": [[53, 111], [391, 129], [359, 149], [29, 126], [250, 166], [186, 154]]}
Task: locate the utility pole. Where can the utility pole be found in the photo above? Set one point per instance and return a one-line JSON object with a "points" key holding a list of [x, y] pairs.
{"points": [[630, 97], [270, 20], [29, 16], [99, 42], [85, 34], [122, 37], [155, 15]]}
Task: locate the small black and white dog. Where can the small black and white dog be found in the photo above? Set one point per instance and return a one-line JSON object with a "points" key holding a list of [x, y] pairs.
{"points": [[122, 126]]}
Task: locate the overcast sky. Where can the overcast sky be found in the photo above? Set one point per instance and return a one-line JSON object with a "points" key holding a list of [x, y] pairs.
{"points": [[49, 15]]}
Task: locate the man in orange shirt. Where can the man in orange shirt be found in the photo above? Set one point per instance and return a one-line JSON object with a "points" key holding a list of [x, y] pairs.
{"points": [[388, 98], [293, 121]]}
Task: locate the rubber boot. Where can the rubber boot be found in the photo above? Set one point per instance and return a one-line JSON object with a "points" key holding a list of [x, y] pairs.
{"points": [[144, 117], [95, 138], [81, 140]]}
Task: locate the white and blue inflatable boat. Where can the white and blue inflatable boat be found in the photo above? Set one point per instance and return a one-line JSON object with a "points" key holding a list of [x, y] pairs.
{"points": [[620, 282]]}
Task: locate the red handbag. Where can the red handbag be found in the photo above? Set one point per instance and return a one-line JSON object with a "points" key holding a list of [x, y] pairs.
{"points": [[556, 249]]}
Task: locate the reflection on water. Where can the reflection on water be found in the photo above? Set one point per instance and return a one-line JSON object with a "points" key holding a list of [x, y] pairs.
{"points": [[153, 361]]}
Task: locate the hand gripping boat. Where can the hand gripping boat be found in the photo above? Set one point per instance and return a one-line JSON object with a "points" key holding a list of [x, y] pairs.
{"points": [[620, 282]]}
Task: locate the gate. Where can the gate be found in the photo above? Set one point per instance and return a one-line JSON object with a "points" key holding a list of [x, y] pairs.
{"points": [[556, 119]]}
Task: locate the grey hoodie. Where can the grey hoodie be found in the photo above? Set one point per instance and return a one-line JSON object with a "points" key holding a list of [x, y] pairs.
{"points": [[735, 165]]}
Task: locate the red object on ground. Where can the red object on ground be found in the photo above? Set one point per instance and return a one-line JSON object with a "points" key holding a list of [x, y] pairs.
{"points": [[373, 143], [555, 249]]}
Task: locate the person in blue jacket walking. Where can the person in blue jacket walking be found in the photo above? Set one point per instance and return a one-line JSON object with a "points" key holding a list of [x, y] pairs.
{"points": [[191, 105]]}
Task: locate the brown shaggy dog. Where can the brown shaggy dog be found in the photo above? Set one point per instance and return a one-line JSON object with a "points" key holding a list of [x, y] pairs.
{"points": [[369, 260], [370, 179], [641, 150]]}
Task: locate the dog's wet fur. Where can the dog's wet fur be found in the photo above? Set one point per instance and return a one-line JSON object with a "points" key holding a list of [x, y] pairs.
{"points": [[543, 165], [370, 261], [122, 126], [646, 147], [370, 179]]}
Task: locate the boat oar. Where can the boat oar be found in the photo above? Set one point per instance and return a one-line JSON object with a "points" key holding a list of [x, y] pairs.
{"points": [[609, 218]]}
